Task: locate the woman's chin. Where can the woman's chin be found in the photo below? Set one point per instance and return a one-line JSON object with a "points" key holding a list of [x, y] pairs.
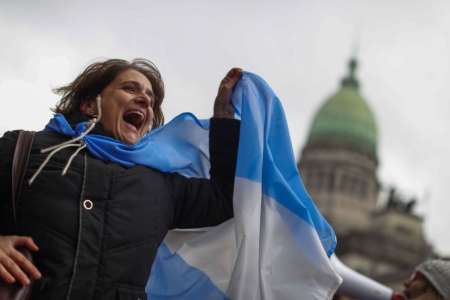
{"points": [[129, 135], [131, 139]]}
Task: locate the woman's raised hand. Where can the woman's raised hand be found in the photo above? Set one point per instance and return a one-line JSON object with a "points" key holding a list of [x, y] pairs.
{"points": [[14, 266], [222, 105]]}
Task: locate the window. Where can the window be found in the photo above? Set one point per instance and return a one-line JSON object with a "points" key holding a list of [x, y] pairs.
{"points": [[330, 181]]}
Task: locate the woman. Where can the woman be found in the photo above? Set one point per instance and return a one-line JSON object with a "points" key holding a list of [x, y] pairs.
{"points": [[96, 230], [430, 281]]}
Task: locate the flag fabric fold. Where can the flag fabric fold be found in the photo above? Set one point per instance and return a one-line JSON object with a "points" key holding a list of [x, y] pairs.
{"points": [[277, 246]]}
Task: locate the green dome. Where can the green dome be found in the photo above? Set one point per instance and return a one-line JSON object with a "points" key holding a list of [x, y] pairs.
{"points": [[345, 119]]}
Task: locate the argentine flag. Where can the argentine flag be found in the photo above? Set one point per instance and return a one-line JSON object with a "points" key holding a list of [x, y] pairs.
{"points": [[277, 246]]}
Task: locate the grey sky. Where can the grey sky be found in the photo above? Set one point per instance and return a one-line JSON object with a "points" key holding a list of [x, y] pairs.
{"points": [[300, 47]]}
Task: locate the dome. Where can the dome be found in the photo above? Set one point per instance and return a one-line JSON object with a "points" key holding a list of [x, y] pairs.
{"points": [[345, 119]]}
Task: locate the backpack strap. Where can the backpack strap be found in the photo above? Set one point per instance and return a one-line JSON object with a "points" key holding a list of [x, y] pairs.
{"points": [[19, 164]]}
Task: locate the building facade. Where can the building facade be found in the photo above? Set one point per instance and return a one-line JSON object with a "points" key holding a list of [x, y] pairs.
{"points": [[339, 165]]}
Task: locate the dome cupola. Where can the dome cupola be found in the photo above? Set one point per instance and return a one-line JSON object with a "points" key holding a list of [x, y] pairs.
{"points": [[346, 119]]}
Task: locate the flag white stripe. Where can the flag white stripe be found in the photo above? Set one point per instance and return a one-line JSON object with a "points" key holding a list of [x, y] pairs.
{"points": [[288, 268]]}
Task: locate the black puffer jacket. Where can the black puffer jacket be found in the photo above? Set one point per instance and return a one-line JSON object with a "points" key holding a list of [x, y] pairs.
{"points": [[98, 227]]}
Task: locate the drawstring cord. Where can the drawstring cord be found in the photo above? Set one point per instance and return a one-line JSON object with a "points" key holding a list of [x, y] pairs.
{"points": [[69, 162], [44, 163], [75, 142]]}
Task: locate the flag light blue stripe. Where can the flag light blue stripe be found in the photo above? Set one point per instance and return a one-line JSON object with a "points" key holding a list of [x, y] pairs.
{"points": [[174, 279], [265, 131], [251, 145]]}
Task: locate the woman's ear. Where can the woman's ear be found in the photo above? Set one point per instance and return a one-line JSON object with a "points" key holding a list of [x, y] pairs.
{"points": [[89, 108]]}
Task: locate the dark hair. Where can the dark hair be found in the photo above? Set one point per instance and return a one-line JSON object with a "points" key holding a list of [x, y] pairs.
{"points": [[97, 76]]}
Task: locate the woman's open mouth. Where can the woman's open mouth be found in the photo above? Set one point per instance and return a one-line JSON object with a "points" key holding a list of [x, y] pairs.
{"points": [[135, 118]]}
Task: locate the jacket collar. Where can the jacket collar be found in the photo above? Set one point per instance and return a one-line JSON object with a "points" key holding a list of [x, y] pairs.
{"points": [[78, 117]]}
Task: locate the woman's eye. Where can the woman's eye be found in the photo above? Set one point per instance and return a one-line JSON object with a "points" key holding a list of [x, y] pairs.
{"points": [[129, 88]]}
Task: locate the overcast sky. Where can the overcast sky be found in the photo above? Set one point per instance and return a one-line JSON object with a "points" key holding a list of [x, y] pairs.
{"points": [[300, 47]]}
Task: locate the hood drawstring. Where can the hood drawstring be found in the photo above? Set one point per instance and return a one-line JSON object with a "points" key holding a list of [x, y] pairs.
{"points": [[75, 142]]}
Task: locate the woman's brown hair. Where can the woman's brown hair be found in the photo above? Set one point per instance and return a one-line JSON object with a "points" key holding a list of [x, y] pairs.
{"points": [[97, 76]]}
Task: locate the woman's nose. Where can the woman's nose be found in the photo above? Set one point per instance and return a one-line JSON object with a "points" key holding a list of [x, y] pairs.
{"points": [[143, 100]]}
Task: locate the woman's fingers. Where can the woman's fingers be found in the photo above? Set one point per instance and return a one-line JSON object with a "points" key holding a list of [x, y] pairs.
{"points": [[5, 275], [227, 84], [222, 105], [13, 269], [14, 265], [25, 264], [231, 78], [26, 242]]}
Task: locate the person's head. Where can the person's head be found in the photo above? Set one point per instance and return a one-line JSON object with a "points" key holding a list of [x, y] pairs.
{"points": [[131, 96], [430, 281]]}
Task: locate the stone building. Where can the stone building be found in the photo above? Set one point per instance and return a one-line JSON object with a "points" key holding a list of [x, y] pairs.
{"points": [[339, 165]]}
